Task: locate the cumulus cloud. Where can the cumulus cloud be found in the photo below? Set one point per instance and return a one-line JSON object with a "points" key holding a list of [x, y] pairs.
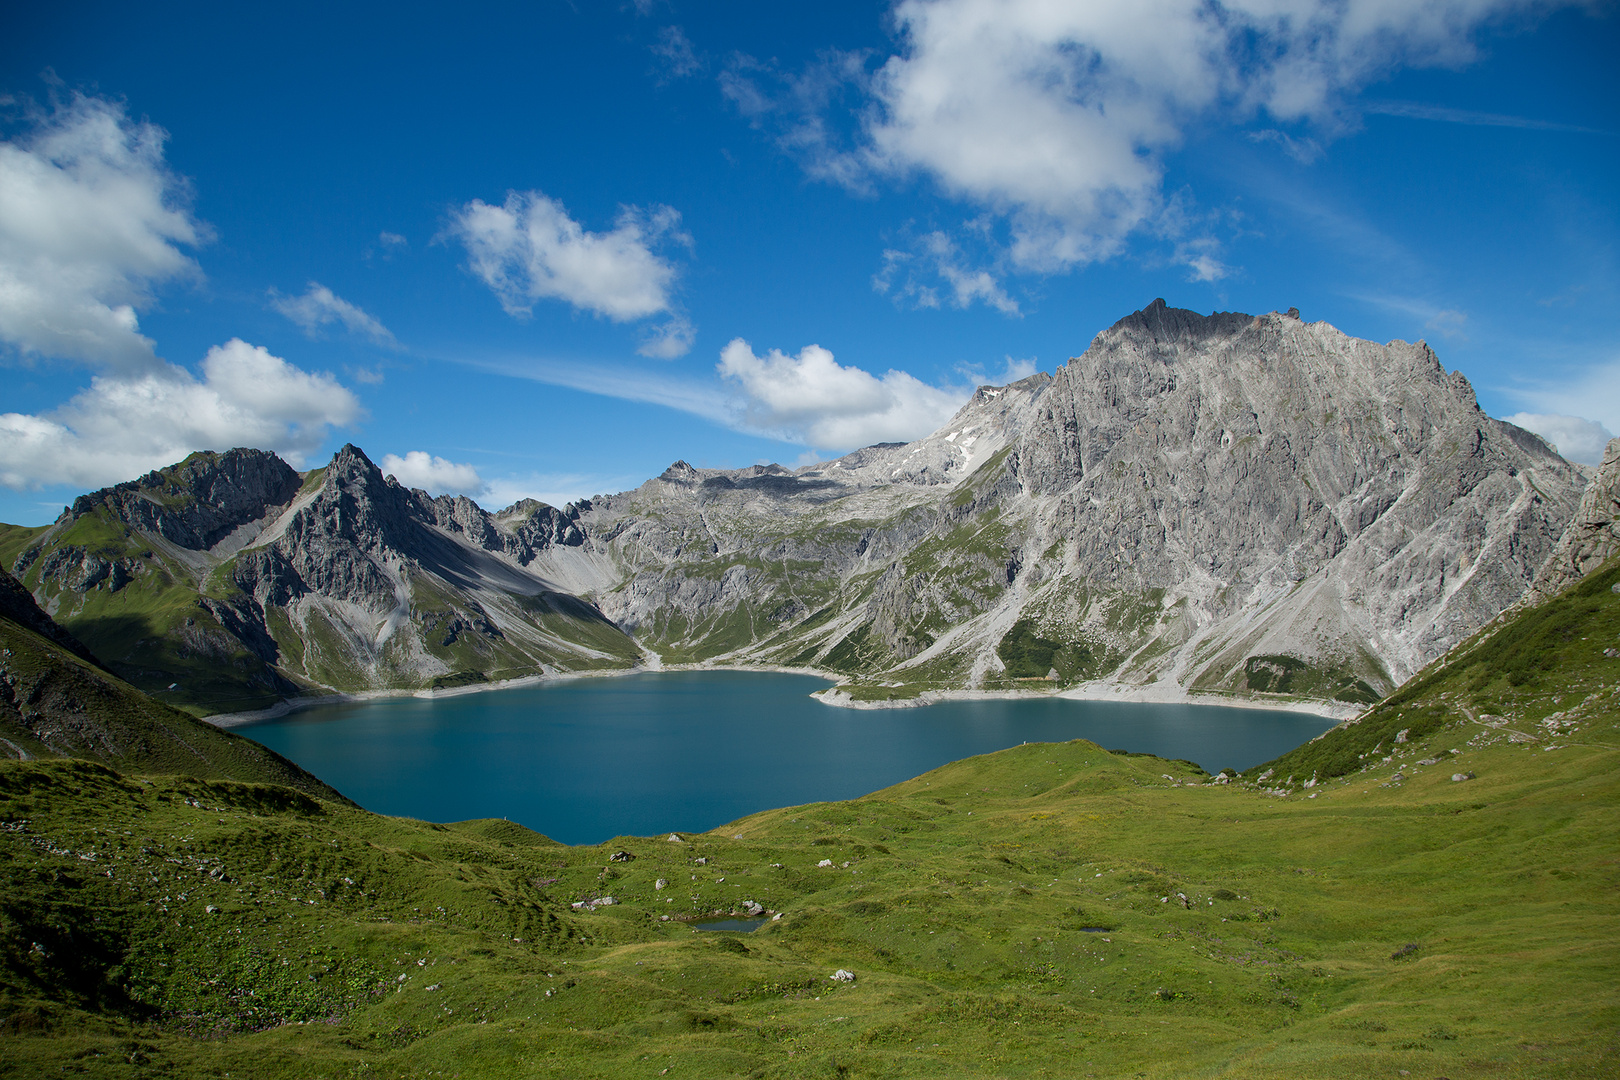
{"points": [[320, 306], [1057, 116], [441, 476], [433, 474], [1577, 411], [529, 249], [812, 399], [1576, 438], [125, 424], [91, 220]]}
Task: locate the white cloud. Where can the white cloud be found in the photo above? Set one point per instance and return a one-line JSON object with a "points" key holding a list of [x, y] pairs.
{"points": [[797, 105], [529, 249], [1056, 116], [937, 256], [91, 219], [814, 400], [320, 306], [555, 489], [441, 476], [125, 424], [670, 340], [674, 48], [1447, 322], [1015, 369], [1574, 409], [433, 474], [1413, 110], [1573, 437]]}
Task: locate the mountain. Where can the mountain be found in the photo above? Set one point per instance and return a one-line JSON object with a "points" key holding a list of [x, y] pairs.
{"points": [[1222, 504], [57, 701], [229, 581]]}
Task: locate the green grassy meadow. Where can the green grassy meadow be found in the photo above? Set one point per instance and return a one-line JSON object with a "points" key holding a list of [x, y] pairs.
{"points": [[1052, 910]]}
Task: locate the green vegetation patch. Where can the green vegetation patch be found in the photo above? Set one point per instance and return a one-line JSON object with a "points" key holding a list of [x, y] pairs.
{"points": [[1028, 655], [1290, 675], [458, 678]]}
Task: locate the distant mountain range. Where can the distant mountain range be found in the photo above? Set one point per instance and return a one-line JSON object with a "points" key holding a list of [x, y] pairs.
{"points": [[1224, 504]]}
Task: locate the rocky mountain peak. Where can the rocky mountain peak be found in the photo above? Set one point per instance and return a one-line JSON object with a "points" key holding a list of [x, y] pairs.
{"points": [[199, 501], [679, 473]]}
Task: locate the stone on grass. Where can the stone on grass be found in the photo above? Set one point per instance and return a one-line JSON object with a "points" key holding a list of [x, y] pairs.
{"points": [[843, 976]]}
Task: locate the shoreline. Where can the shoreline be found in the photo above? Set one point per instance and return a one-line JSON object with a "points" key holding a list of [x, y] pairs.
{"points": [[833, 696], [1098, 691]]}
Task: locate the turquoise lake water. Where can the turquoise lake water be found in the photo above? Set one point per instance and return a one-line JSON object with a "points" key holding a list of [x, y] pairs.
{"points": [[589, 759]]}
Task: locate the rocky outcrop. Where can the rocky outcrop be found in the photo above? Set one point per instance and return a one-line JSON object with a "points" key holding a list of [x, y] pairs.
{"points": [[200, 501], [17, 605], [1593, 537]]}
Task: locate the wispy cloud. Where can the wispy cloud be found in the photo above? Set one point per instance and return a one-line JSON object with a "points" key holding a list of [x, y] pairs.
{"points": [[1413, 110], [320, 306], [934, 271], [1447, 322], [677, 58]]}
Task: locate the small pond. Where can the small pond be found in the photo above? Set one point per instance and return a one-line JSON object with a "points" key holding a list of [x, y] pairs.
{"points": [[732, 926]]}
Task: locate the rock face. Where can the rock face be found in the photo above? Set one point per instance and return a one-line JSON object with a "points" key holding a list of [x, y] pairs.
{"points": [[1593, 537], [1223, 503], [230, 580]]}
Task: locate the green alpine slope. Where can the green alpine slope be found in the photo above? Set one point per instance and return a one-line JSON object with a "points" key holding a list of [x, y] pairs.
{"points": [[57, 701], [1050, 910]]}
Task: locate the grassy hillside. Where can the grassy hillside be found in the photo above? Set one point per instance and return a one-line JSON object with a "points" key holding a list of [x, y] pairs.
{"points": [[57, 704], [1050, 910]]}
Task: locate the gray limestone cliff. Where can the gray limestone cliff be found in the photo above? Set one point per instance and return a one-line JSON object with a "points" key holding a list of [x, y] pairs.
{"points": [[1219, 503], [1593, 536]]}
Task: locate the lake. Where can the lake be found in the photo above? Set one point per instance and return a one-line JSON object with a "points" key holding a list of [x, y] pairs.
{"points": [[584, 760]]}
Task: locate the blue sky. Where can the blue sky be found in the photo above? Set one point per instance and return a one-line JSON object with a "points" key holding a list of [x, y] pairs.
{"points": [[545, 249]]}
